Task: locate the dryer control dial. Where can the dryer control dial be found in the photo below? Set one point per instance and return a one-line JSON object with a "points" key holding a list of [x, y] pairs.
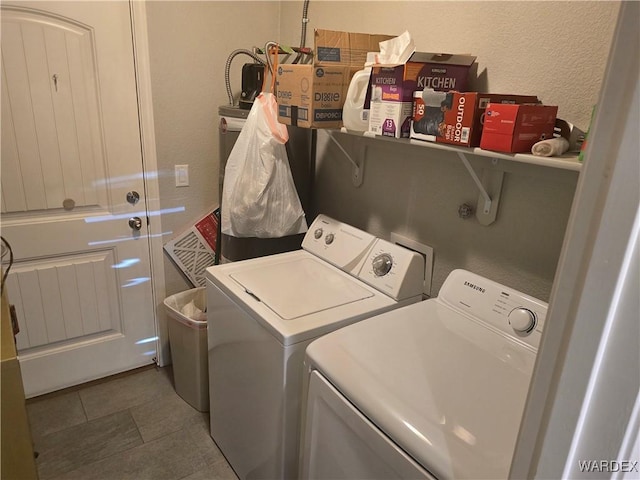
{"points": [[522, 320], [329, 238], [317, 233], [382, 264]]}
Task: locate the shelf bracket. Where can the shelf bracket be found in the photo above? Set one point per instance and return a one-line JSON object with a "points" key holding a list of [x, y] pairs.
{"points": [[487, 209], [357, 169]]}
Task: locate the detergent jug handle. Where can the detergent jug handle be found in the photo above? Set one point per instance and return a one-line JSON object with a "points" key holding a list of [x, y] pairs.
{"points": [[353, 114], [358, 86]]}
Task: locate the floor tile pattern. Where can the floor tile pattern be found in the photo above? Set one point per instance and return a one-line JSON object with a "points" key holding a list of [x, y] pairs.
{"points": [[131, 426]]}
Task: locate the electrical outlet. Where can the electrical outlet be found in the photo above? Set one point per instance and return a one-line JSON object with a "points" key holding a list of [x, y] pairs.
{"points": [[425, 250]]}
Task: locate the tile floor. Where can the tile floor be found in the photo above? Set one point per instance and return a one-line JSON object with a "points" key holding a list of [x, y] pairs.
{"points": [[131, 426]]}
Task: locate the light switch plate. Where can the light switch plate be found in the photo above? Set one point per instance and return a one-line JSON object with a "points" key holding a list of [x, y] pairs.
{"points": [[182, 175]]}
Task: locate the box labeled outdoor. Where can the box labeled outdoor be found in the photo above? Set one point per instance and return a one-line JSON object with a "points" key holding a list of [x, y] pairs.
{"points": [[455, 118], [516, 128], [311, 96]]}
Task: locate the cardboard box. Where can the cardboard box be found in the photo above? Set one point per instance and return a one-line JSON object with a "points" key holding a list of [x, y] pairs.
{"points": [[345, 48], [312, 96], [440, 71], [396, 84], [390, 119], [515, 128], [455, 117]]}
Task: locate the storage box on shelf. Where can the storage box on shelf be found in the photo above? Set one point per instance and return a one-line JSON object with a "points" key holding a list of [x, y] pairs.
{"points": [[516, 128], [393, 88], [455, 117], [312, 96]]}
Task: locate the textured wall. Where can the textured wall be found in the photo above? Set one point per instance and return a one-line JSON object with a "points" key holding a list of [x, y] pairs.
{"points": [[189, 45], [556, 50]]}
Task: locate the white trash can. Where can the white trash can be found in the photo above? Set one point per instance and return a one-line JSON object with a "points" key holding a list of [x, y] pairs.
{"points": [[188, 341]]}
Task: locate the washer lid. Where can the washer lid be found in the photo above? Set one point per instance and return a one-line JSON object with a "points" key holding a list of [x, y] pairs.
{"points": [[300, 287], [444, 388]]}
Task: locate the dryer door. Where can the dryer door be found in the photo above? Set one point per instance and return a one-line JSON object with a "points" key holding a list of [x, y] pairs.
{"points": [[340, 443]]}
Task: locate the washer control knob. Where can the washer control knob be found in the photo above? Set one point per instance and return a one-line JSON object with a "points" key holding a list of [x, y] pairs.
{"points": [[382, 264], [522, 320], [317, 233], [329, 238]]}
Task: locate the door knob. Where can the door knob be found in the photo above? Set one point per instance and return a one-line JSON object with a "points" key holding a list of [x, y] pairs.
{"points": [[135, 223]]}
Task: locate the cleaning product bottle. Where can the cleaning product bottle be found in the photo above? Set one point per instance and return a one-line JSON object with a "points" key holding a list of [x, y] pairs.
{"points": [[354, 115]]}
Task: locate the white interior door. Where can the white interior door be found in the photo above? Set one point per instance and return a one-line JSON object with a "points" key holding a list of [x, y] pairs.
{"points": [[71, 153]]}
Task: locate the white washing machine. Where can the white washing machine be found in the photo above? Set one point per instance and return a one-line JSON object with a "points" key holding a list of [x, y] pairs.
{"points": [[432, 390], [263, 312]]}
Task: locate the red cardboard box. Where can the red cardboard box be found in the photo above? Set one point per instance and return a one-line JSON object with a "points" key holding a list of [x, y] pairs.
{"points": [[515, 128], [455, 117]]}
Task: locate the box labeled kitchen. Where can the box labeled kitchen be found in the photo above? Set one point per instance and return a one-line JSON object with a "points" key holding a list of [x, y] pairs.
{"points": [[455, 117], [438, 71], [396, 84], [312, 96], [516, 128]]}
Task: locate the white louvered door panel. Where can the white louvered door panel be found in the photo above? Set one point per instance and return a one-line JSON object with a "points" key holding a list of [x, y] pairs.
{"points": [[64, 299], [52, 124], [71, 151]]}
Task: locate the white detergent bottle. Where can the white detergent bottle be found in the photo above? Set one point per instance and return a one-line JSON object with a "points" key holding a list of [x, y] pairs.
{"points": [[354, 115]]}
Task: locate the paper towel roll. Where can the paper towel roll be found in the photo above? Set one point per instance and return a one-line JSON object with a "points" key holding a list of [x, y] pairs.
{"points": [[550, 148]]}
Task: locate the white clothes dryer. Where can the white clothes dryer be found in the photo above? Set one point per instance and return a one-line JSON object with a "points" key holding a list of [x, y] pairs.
{"points": [[263, 312], [431, 390]]}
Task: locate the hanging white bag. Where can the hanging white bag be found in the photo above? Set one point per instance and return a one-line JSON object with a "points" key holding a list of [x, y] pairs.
{"points": [[259, 197]]}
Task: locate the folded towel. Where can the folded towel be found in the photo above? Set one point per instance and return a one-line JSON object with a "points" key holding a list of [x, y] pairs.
{"points": [[550, 148]]}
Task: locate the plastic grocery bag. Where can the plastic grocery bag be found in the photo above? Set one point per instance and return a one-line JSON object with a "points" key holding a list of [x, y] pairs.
{"points": [[259, 198]]}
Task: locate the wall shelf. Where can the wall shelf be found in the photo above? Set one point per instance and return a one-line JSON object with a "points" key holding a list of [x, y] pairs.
{"points": [[489, 187], [565, 162]]}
